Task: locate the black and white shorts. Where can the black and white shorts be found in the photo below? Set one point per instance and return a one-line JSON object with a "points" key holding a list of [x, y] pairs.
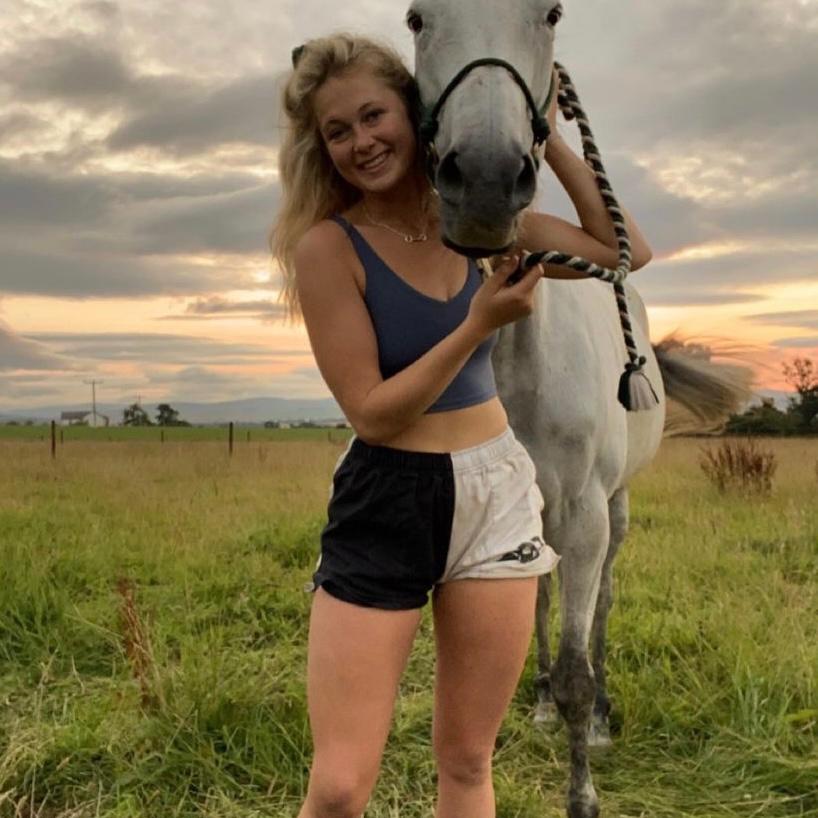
{"points": [[401, 522]]}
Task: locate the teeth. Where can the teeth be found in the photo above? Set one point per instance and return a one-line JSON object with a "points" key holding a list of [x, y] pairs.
{"points": [[372, 163]]}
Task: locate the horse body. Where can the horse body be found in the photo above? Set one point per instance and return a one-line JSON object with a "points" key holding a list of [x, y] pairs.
{"points": [[557, 370]]}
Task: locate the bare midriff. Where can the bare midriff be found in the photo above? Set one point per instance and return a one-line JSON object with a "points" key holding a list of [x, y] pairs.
{"points": [[453, 430]]}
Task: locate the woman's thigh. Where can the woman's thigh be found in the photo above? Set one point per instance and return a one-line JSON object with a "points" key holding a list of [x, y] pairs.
{"points": [[355, 659], [483, 631]]}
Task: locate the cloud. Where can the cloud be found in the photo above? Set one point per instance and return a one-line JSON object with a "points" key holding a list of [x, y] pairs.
{"points": [[101, 231], [235, 222], [55, 274], [18, 123], [183, 118], [217, 306], [153, 347], [797, 343], [22, 353], [658, 297], [733, 275], [73, 68], [803, 319]]}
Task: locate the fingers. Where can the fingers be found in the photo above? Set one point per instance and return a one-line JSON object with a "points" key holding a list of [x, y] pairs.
{"points": [[507, 266], [529, 281]]}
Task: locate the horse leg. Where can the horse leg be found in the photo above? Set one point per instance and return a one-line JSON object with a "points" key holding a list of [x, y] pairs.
{"points": [[546, 712], [600, 732], [584, 536]]}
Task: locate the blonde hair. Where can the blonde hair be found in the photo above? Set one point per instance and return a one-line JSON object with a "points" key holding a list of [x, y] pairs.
{"points": [[312, 189]]}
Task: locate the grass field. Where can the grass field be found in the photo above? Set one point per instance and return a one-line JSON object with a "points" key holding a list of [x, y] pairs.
{"points": [[153, 630], [168, 434]]}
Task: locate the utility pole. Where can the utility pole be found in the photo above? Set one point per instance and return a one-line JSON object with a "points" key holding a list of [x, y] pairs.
{"points": [[94, 399]]}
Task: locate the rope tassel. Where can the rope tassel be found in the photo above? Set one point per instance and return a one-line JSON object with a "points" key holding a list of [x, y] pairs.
{"points": [[635, 390]]}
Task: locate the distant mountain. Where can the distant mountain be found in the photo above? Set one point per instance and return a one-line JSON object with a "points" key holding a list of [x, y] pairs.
{"points": [[249, 410]]}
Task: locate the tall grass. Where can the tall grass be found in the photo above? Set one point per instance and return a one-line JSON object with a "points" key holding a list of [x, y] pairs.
{"points": [[713, 655]]}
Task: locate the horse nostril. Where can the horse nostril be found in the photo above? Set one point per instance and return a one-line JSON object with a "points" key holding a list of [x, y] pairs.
{"points": [[526, 185], [449, 178]]}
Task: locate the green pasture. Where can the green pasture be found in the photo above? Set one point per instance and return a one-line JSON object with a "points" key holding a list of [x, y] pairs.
{"points": [[153, 628]]}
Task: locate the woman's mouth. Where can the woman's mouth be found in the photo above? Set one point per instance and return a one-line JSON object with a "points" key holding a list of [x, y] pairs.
{"points": [[375, 163]]}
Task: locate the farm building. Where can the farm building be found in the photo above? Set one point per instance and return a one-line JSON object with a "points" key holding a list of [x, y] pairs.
{"points": [[85, 418]]}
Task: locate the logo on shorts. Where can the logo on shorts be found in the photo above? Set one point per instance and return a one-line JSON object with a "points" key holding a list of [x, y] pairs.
{"points": [[526, 552]]}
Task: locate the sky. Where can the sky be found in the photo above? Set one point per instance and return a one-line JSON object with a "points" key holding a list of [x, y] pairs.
{"points": [[138, 182]]}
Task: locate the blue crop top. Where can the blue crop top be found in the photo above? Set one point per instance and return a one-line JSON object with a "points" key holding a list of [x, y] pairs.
{"points": [[409, 323]]}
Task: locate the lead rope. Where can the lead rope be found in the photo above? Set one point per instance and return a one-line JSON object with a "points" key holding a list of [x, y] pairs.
{"points": [[635, 390]]}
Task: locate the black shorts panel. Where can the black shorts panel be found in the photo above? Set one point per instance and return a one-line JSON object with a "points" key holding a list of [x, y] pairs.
{"points": [[388, 530]]}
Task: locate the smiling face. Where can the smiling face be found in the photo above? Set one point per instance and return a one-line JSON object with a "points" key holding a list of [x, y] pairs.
{"points": [[366, 129]]}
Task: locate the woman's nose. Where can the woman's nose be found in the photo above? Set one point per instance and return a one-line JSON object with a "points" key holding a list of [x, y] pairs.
{"points": [[363, 140]]}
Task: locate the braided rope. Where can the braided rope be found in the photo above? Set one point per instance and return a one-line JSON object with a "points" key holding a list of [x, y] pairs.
{"points": [[569, 103]]}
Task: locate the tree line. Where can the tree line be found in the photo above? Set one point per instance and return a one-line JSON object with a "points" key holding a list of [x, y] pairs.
{"points": [[800, 417], [166, 415]]}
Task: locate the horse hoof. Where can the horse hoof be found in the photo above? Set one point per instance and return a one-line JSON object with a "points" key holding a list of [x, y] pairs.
{"points": [[583, 809], [546, 715]]}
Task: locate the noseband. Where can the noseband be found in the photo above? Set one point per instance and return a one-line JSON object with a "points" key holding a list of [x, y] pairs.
{"points": [[430, 119]]}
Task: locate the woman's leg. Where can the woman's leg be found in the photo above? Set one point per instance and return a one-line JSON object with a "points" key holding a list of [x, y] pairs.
{"points": [[355, 660], [483, 632]]}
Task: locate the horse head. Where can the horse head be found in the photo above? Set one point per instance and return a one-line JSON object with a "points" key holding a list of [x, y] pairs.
{"points": [[484, 73]]}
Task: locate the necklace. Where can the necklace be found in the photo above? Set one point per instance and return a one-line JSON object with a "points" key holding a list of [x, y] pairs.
{"points": [[407, 237]]}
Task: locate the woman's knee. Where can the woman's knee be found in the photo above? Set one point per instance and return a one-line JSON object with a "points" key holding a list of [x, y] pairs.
{"points": [[336, 793], [470, 766]]}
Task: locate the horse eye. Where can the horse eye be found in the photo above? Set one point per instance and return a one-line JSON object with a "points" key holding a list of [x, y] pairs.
{"points": [[415, 22], [554, 16]]}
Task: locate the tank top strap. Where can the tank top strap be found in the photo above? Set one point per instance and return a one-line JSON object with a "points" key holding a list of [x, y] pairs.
{"points": [[368, 257], [358, 241]]}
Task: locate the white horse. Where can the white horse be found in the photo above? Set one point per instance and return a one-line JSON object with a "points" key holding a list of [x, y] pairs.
{"points": [[558, 370]]}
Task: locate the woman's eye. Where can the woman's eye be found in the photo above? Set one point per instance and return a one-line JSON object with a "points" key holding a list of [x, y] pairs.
{"points": [[415, 22], [554, 16], [372, 116]]}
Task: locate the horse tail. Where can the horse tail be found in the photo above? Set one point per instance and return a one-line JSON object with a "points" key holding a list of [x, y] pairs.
{"points": [[701, 394]]}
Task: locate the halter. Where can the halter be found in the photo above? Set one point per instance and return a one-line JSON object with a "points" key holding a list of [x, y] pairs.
{"points": [[635, 390]]}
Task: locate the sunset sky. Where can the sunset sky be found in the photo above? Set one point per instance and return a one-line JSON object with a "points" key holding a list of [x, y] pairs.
{"points": [[138, 180]]}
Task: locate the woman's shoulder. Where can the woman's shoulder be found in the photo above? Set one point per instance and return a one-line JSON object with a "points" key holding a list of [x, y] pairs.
{"points": [[323, 242], [323, 250], [324, 236]]}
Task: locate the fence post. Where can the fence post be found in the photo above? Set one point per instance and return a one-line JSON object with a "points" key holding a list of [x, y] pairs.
{"points": [[62, 440], [161, 435], [230, 440], [248, 435], [53, 440]]}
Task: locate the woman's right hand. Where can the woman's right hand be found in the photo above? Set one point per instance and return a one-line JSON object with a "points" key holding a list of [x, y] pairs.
{"points": [[497, 302]]}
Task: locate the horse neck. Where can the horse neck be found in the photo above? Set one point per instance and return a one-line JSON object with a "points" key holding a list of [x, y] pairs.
{"points": [[522, 344]]}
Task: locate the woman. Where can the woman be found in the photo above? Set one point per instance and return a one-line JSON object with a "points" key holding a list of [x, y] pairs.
{"points": [[434, 492]]}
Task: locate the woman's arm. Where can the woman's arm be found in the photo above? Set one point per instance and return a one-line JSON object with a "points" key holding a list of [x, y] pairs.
{"points": [[346, 350], [596, 239], [580, 184]]}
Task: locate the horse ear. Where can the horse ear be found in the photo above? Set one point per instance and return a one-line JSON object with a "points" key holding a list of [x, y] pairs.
{"points": [[296, 55]]}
